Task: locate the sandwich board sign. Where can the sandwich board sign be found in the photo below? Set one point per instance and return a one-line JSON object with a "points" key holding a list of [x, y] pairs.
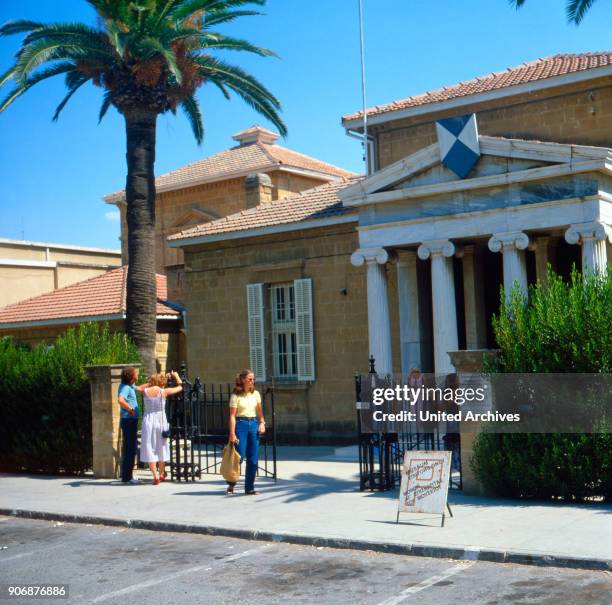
{"points": [[424, 485]]}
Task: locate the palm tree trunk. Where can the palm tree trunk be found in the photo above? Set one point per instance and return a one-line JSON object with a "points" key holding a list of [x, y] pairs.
{"points": [[141, 296]]}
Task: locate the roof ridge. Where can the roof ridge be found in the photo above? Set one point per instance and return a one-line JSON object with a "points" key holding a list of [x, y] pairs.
{"points": [[382, 108], [267, 153], [310, 157]]}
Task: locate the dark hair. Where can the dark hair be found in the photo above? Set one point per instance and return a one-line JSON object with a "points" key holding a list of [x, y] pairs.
{"points": [[239, 388], [128, 375]]}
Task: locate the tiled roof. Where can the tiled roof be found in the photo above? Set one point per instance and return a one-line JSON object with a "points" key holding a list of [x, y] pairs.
{"points": [[311, 204], [540, 69], [99, 296], [252, 157]]}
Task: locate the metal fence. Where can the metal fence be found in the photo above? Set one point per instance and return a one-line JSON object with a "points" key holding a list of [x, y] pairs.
{"points": [[199, 429]]}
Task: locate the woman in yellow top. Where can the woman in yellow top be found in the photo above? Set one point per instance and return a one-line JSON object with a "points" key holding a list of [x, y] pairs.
{"points": [[246, 424]]}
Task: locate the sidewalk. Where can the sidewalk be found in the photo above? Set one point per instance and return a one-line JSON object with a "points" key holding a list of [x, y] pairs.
{"points": [[316, 501]]}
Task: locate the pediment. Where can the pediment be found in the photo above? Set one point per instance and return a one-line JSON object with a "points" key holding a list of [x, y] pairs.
{"points": [[195, 216], [502, 161]]}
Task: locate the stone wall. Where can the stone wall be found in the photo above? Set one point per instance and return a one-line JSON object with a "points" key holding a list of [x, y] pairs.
{"points": [[177, 210], [216, 279], [580, 114]]}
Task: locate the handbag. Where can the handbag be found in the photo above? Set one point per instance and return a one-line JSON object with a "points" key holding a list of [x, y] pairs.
{"points": [[230, 463]]}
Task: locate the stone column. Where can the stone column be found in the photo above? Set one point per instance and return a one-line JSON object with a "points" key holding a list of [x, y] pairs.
{"points": [[443, 301], [379, 323], [408, 298], [105, 413], [540, 247], [473, 297], [593, 238], [512, 245]]}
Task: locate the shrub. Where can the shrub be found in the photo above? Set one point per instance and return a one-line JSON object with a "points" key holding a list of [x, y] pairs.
{"points": [[46, 400], [564, 327]]}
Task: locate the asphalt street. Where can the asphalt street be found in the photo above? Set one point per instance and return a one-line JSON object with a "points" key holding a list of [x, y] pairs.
{"points": [[117, 565]]}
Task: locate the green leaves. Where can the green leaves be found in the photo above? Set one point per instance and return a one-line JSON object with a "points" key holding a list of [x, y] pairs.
{"points": [[192, 110], [46, 404], [565, 327], [575, 9]]}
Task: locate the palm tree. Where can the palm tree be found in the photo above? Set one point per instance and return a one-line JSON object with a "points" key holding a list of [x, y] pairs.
{"points": [[575, 9], [149, 57]]}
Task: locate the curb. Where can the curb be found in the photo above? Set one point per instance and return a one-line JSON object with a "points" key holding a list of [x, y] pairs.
{"points": [[414, 550]]}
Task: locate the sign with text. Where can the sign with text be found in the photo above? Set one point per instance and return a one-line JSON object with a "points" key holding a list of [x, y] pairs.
{"points": [[425, 477]]}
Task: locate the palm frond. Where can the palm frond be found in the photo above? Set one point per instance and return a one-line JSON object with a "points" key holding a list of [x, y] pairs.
{"points": [[18, 27], [187, 9], [219, 17], [212, 68], [52, 48], [54, 70], [191, 108], [220, 41], [77, 83], [106, 103], [16, 92], [149, 47], [577, 9], [245, 86]]}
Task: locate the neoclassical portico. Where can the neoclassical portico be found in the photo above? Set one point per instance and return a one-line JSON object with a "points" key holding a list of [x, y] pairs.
{"points": [[521, 206]]}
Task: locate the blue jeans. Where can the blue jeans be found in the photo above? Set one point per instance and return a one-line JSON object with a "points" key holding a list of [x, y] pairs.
{"points": [[248, 448], [129, 427]]}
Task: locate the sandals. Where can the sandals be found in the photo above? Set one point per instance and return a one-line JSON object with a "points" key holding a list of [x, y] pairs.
{"points": [[163, 477], [230, 490], [155, 481]]}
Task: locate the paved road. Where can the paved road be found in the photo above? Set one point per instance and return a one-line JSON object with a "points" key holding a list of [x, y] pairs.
{"points": [[117, 566]]}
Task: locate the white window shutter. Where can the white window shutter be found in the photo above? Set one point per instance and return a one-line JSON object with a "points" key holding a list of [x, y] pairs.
{"points": [[304, 329], [257, 352]]}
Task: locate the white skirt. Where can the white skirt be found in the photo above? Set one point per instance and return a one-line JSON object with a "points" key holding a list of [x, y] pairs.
{"points": [[153, 447]]}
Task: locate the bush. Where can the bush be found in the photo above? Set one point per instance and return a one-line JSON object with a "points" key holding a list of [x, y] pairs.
{"points": [[46, 399], [564, 327]]}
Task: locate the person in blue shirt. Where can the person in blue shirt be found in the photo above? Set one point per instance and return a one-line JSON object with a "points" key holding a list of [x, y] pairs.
{"points": [[129, 423]]}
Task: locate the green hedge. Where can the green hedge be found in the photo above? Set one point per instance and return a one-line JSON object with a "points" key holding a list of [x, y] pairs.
{"points": [[564, 327], [46, 404]]}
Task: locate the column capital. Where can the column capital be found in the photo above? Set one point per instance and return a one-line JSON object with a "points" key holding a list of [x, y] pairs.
{"points": [[509, 240], [370, 255], [577, 234], [436, 247]]}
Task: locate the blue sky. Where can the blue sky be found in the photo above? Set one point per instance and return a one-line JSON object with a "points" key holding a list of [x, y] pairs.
{"points": [[54, 174]]}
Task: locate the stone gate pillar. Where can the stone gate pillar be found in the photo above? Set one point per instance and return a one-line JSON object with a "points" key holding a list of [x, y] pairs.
{"points": [[105, 413]]}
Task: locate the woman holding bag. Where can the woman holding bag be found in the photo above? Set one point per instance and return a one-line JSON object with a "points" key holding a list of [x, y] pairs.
{"points": [[154, 447], [246, 424]]}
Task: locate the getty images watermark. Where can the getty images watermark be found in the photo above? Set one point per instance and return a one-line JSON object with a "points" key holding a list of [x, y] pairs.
{"points": [[504, 403]]}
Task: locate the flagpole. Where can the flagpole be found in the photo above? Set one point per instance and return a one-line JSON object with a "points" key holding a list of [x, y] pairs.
{"points": [[366, 147]]}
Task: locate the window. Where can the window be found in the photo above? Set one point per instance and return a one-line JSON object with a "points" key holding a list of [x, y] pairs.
{"points": [[284, 344], [290, 330]]}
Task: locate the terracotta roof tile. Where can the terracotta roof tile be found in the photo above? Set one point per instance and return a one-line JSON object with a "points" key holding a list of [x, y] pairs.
{"points": [[319, 202], [251, 157], [99, 296], [540, 69]]}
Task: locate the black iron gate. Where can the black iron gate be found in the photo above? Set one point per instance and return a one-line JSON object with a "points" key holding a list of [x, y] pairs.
{"points": [[199, 429], [382, 449]]}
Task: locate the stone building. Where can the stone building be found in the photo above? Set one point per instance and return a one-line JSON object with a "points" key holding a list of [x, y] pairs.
{"points": [[28, 269], [406, 264], [255, 171]]}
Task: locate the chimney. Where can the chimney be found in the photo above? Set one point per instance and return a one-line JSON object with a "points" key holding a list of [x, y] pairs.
{"points": [[255, 134], [258, 186]]}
